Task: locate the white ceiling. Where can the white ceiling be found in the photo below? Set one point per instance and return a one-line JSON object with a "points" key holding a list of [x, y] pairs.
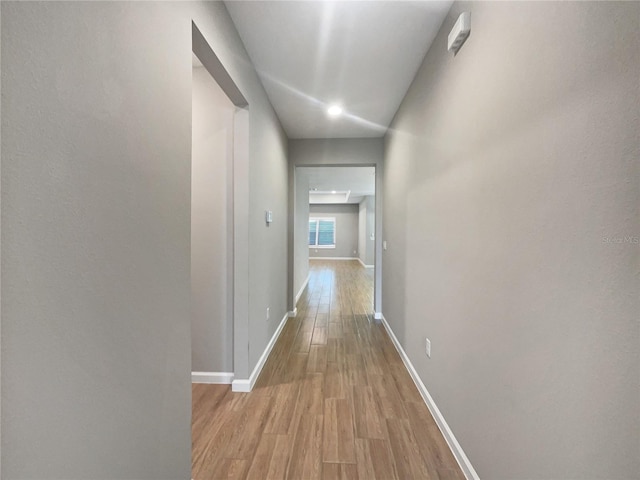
{"points": [[360, 54], [359, 181]]}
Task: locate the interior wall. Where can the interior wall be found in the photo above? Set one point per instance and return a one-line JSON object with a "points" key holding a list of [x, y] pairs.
{"points": [[512, 216], [346, 230], [260, 184], [371, 231], [337, 152], [96, 220], [267, 244], [0, 251], [366, 230], [362, 230], [211, 226], [301, 236], [96, 180]]}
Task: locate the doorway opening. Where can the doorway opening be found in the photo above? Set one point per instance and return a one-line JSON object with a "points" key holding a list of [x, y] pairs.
{"points": [[219, 206], [219, 223], [211, 229], [335, 221]]}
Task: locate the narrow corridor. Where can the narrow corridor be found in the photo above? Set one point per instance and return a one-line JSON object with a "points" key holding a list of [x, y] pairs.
{"points": [[334, 400]]}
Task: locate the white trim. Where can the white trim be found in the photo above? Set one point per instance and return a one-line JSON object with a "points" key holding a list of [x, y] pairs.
{"points": [[246, 385], [293, 313], [364, 264], [300, 292], [224, 378], [454, 446], [333, 258], [377, 315]]}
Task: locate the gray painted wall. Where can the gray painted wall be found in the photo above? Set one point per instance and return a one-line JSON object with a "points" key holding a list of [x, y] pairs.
{"points": [[0, 253], [511, 182], [267, 244], [346, 230], [96, 153], [366, 228], [371, 231], [301, 236], [362, 230], [211, 226], [335, 152]]}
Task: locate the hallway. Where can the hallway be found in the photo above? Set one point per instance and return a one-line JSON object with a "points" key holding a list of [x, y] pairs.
{"points": [[333, 401]]}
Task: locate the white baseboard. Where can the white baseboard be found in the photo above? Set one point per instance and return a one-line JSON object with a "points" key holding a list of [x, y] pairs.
{"points": [[246, 385], [364, 264], [454, 446], [377, 315], [224, 378], [300, 292], [334, 258], [293, 312]]}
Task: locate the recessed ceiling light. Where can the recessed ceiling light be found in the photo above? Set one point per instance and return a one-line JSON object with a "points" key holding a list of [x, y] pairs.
{"points": [[333, 191], [334, 110]]}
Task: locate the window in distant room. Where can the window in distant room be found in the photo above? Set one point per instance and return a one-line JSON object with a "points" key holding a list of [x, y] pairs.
{"points": [[322, 232]]}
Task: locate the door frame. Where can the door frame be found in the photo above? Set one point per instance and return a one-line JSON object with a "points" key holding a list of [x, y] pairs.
{"points": [[239, 250], [293, 195]]}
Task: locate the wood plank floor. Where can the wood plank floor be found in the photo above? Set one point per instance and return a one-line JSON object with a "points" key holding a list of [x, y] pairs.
{"points": [[334, 400]]}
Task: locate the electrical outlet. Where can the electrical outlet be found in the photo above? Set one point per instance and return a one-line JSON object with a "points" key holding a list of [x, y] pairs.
{"points": [[428, 347], [268, 313]]}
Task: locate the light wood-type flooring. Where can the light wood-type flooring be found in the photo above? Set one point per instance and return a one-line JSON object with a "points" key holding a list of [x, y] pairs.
{"points": [[334, 400]]}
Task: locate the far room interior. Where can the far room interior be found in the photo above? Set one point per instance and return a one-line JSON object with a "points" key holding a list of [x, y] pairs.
{"points": [[338, 204]]}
